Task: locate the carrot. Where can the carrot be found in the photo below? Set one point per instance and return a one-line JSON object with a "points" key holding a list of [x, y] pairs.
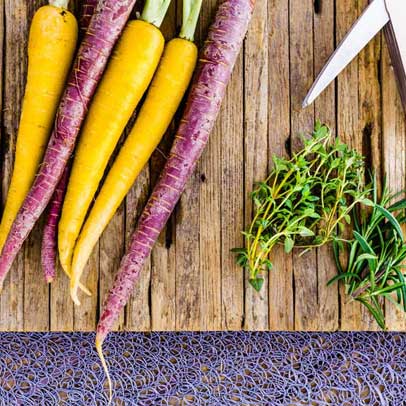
{"points": [[104, 30], [51, 46], [49, 239], [163, 98], [126, 79], [214, 70]]}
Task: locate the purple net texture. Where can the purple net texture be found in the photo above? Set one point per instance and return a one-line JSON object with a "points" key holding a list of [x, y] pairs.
{"points": [[343, 369]]}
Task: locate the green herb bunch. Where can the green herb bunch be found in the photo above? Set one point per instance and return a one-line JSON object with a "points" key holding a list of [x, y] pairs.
{"points": [[374, 258], [305, 202]]}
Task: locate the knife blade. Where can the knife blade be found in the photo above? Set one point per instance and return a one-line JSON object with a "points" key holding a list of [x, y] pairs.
{"points": [[372, 20]]}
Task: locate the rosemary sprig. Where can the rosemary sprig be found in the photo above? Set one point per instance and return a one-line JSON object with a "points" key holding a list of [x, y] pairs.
{"points": [[305, 202], [374, 258]]}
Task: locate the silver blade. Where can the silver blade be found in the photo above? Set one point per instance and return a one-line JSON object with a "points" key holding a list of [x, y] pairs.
{"points": [[373, 19]]}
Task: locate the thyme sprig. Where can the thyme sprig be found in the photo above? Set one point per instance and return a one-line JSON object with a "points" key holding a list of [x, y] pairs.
{"points": [[374, 258], [305, 202]]}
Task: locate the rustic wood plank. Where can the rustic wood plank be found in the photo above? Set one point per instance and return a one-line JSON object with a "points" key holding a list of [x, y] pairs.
{"points": [[256, 145], [348, 128], [209, 213], [325, 111], [230, 124], [15, 65], [301, 76], [187, 252], [370, 118], [394, 157], [163, 265], [281, 300], [188, 293], [61, 305]]}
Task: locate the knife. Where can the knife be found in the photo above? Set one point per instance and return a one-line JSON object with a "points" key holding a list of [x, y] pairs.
{"points": [[387, 14]]}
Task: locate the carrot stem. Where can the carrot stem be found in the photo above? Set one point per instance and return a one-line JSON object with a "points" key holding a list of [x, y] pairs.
{"points": [[59, 3], [154, 11], [191, 11]]}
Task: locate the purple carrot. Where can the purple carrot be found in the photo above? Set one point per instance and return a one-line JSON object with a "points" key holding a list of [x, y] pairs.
{"points": [[49, 245], [104, 31], [88, 8], [213, 73], [49, 239]]}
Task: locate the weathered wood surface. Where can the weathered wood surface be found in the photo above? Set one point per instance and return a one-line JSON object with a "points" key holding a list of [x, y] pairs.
{"points": [[191, 281]]}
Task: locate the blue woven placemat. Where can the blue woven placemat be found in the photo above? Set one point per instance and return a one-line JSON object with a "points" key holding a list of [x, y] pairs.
{"points": [[345, 369]]}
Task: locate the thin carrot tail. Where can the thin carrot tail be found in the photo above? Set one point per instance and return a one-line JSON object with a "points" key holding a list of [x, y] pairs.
{"points": [[74, 291], [99, 345], [85, 290]]}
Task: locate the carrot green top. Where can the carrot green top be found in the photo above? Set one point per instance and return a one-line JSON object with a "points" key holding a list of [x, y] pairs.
{"points": [[191, 11], [59, 3], [154, 11]]}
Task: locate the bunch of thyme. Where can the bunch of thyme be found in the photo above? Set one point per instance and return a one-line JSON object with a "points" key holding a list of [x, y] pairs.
{"points": [[305, 201], [374, 258]]}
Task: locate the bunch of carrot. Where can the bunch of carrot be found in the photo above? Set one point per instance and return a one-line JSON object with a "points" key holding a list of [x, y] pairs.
{"points": [[100, 95]]}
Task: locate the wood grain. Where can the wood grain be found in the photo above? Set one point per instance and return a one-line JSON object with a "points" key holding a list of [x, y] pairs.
{"points": [[302, 121], [210, 202], [281, 297], [393, 156], [163, 260], [348, 130], [256, 145], [325, 111], [191, 281]]}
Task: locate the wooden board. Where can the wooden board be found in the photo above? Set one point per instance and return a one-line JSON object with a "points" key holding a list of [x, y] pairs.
{"points": [[191, 281]]}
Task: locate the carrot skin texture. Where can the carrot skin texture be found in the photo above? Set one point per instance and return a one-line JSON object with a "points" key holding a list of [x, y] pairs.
{"points": [[51, 46], [104, 30], [214, 70], [49, 246], [163, 98], [127, 77], [49, 239]]}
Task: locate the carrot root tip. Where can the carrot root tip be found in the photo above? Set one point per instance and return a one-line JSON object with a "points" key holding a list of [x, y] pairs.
{"points": [[85, 290], [99, 345], [74, 295]]}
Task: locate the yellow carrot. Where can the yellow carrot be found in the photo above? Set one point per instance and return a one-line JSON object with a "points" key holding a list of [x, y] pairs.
{"points": [[126, 79], [164, 96], [51, 46]]}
